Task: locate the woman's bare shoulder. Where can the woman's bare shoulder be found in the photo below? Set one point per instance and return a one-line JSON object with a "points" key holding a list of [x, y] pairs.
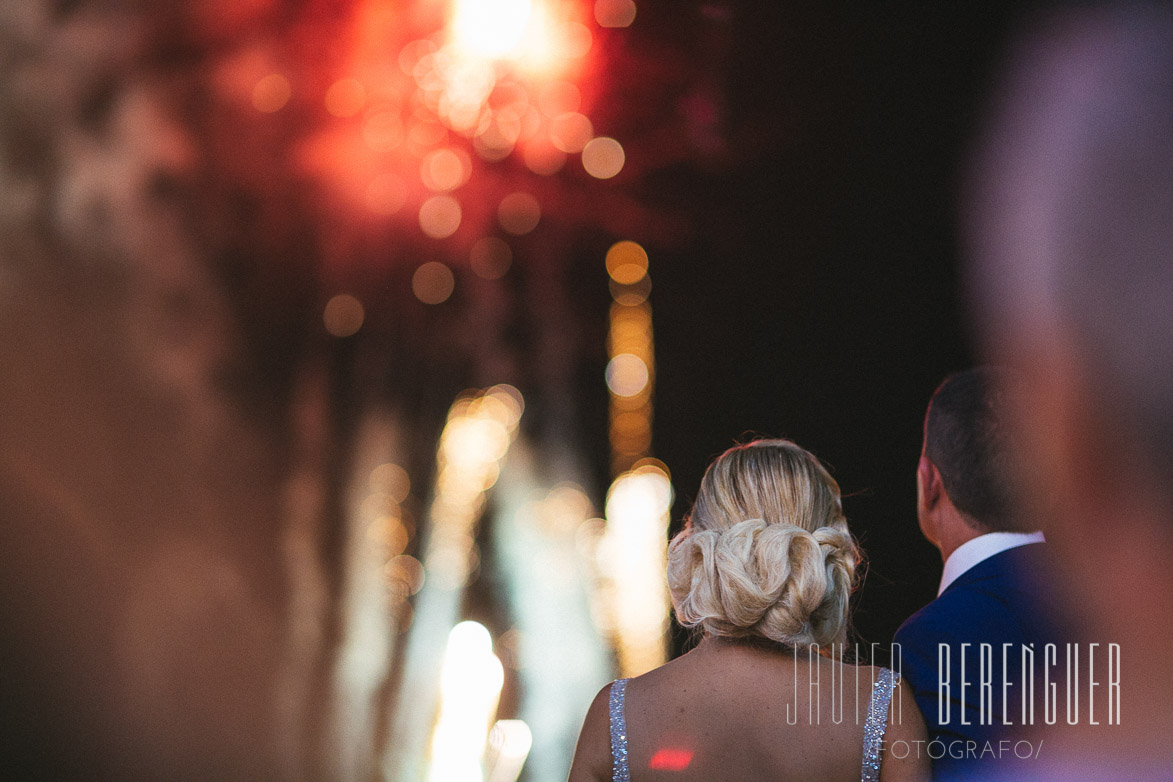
{"points": [[592, 754], [904, 758]]}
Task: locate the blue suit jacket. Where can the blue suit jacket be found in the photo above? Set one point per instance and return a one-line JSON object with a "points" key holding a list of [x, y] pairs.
{"points": [[1001, 600]]}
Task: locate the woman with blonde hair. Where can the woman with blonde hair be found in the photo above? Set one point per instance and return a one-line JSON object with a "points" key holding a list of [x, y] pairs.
{"points": [[764, 568]]}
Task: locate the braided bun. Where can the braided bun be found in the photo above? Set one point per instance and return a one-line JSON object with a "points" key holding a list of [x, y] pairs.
{"points": [[767, 551]]}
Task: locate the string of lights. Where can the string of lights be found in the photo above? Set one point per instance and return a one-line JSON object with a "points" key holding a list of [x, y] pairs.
{"points": [[632, 552]]}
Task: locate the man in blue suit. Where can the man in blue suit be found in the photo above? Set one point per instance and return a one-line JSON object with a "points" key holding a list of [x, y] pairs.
{"points": [[962, 653]]}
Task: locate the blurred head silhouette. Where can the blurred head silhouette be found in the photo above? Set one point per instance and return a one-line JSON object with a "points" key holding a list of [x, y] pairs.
{"points": [[1071, 229]]}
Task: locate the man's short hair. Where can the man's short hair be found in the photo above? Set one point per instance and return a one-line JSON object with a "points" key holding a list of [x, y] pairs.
{"points": [[967, 438]]}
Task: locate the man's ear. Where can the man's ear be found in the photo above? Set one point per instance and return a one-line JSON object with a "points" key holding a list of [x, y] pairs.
{"points": [[929, 492], [928, 485]]}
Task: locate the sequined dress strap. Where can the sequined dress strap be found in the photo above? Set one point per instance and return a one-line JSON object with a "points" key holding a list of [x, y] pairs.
{"points": [[619, 771], [877, 721]]}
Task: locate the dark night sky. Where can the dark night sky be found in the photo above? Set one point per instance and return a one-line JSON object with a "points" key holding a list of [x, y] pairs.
{"points": [[819, 297]]}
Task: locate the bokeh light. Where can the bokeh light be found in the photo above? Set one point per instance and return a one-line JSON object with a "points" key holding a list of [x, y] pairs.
{"points": [[627, 374], [445, 169], [632, 555], [389, 534], [433, 283], [471, 678], [614, 13], [543, 158], [440, 216], [519, 213], [631, 431], [509, 744], [383, 131], [603, 157], [490, 258], [406, 570], [571, 131], [631, 295], [386, 194], [271, 93], [490, 29], [559, 97], [392, 479], [345, 98], [412, 53], [627, 262], [425, 133], [343, 315]]}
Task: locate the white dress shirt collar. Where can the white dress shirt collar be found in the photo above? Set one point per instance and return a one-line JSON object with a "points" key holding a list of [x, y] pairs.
{"points": [[980, 549]]}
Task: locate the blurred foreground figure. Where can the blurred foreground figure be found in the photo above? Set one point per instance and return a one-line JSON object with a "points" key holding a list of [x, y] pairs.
{"points": [[1072, 228], [165, 571]]}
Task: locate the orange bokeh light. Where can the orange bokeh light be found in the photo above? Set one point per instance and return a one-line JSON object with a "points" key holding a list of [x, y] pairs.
{"points": [[346, 97], [627, 375], [519, 213], [614, 13], [392, 479], [578, 40], [383, 131], [490, 258], [570, 132], [559, 97], [433, 283], [445, 169], [344, 315], [543, 158], [491, 29], [386, 194], [440, 216], [627, 262], [271, 93], [603, 157], [499, 79], [631, 295]]}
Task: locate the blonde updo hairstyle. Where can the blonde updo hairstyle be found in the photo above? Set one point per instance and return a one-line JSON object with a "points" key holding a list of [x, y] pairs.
{"points": [[766, 552]]}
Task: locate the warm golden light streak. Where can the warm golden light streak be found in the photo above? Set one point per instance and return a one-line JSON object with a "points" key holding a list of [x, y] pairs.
{"points": [[631, 553], [509, 744], [480, 429], [477, 436], [630, 377], [470, 686], [631, 558]]}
